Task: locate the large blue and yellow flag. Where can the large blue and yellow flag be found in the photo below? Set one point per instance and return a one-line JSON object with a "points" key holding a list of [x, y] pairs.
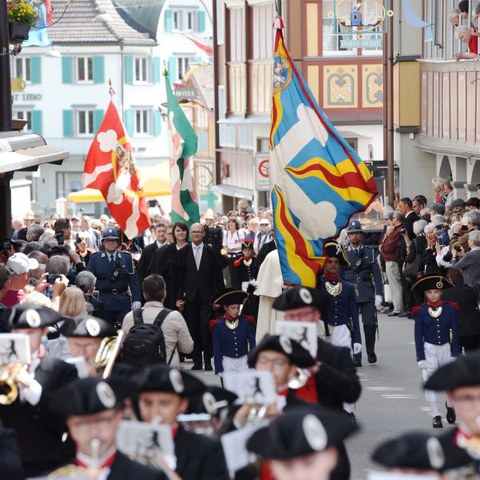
{"points": [[317, 180]]}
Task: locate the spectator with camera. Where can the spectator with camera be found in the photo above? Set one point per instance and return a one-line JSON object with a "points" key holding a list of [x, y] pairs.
{"points": [[469, 262], [86, 281], [63, 232], [460, 233]]}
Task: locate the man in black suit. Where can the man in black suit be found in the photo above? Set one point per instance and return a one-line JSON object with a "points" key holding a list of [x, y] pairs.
{"points": [[202, 278], [164, 394], [405, 207], [144, 266], [40, 430], [93, 408]]}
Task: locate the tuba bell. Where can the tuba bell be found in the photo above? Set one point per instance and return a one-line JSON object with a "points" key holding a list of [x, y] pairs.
{"points": [[108, 353], [299, 380], [8, 383]]}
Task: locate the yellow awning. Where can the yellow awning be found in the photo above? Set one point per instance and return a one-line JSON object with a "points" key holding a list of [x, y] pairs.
{"points": [[156, 183]]}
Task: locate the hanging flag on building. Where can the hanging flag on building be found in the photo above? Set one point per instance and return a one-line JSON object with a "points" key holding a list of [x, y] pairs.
{"points": [[38, 35], [183, 146], [317, 180], [111, 168]]}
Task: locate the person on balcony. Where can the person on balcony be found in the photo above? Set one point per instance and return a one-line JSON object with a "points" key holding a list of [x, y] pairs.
{"points": [[466, 34]]}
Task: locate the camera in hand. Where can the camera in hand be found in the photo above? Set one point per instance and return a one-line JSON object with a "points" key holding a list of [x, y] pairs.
{"points": [[6, 244], [464, 228], [52, 277], [458, 248], [60, 237]]}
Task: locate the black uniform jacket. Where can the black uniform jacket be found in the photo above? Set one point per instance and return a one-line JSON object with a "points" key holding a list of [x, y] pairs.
{"points": [[199, 457], [123, 468], [39, 430]]}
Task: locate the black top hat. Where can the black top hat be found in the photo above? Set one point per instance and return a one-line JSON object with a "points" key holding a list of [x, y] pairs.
{"points": [[230, 296], [161, 378], [90, 395], [432, 282], [463, 372], [297, 355], [333, 249], [355, 227], [87, 327], [301, 431], [30, 315], [297, 297], [419, 451]]}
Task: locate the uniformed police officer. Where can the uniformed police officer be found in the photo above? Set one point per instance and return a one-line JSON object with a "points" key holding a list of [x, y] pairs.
{"points": [[116, 280], [365, 276]]}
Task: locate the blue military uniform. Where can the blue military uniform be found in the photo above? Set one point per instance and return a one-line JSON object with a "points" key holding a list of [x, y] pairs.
{"points": [[117, 282], [366, 278], [232, 342]]}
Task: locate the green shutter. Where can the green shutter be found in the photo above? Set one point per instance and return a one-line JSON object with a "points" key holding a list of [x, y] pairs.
{"points": [[98, 69], [201, 22], [197, 60], [172, 69], [97, 119], [157, 122], [36, 70], [156, 70], [129, 122], [37, 122], [67, 69], [128, 69], [168, 21], [68, 123]]}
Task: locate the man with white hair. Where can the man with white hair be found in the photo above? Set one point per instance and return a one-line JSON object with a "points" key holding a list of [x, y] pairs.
{"points": [[466, 34], [469, 263], [263, 236]]}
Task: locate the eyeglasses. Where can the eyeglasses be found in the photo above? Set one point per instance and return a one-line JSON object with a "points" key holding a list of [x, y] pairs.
{"points": [[264, 224]]}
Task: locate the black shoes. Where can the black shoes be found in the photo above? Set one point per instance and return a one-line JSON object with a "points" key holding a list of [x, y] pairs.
{"points": [[208, 367], [372, 358], [437, 422], [393, 314], [451, 416], [352, 416], [197, 367]]}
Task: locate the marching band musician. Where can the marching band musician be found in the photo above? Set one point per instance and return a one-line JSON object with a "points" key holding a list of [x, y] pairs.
{"points": [[41, 433], [461, 380], [336, 382], [303, 443], [164, 394], [93, 409], [436, 336], [84, 337]]}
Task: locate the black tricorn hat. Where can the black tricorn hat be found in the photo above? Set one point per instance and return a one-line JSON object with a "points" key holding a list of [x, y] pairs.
{"points": [[419, 451], [301, 431], [297, 355], [30, 315], [463, 372], [229, 296], [162, 378], [297, 297], [333, 249], [432, 282], [87, 327], [211, 401]]}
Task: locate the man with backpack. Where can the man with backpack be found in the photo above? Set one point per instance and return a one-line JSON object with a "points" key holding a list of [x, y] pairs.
{"points": [[154, 333]]}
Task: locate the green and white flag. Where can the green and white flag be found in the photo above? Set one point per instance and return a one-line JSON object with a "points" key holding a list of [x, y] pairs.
{"points": [[183, 146]]}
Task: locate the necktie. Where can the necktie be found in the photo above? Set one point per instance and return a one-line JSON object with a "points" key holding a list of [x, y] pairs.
{"points": [[197, 257], [112, 261]]}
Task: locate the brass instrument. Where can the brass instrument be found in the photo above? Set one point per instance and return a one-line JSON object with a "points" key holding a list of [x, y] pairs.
{"points": [[108, 353], [8, 383]]}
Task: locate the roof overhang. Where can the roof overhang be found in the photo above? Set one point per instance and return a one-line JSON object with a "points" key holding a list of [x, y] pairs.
{"points": [[233, 191], [26, 151]]}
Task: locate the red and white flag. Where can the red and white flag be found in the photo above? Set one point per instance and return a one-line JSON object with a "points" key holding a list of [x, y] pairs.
{"points": [[111, 168]]}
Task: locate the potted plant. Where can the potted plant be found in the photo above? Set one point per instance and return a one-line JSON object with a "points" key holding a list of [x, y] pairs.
{"points": [[21, 16]]}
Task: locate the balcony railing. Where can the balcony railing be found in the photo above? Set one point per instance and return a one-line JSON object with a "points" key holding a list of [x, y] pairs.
{"points": [[450, 106]]}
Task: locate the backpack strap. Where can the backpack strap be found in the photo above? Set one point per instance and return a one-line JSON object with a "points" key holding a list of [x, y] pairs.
{"points": [[162, 315], [138, 316]]}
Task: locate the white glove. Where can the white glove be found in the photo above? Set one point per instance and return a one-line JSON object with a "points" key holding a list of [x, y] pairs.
{"points": [[136, 305], [357, 348], [423, 364], [378, 301]]}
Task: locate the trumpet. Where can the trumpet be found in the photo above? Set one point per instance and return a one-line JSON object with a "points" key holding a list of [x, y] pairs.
{"points": [[108, 353], [74, 472], [8, 383], [299, 380]]}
